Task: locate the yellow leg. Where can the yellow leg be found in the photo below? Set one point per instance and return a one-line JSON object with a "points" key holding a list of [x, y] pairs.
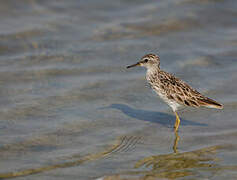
{"points": [[176, 140], [176, 126]]}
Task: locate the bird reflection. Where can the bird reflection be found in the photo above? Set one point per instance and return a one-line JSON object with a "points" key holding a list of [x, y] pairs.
{"points": [[201, 163], [176, 165]]}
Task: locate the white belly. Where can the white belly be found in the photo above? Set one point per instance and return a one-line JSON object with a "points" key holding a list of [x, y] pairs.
{"points": [[172, 103]]}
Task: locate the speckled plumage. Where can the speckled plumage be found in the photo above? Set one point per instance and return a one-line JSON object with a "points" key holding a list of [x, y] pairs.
{"points": [[172, 90]]}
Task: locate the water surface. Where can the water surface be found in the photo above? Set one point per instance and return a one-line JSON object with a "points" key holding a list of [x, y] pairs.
{"points": [[70, 109]]}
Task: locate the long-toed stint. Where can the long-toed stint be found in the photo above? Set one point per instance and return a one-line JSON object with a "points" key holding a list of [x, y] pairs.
{"points": [[173, 91]]}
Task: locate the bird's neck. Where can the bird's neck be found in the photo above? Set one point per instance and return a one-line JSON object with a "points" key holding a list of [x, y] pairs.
{"points": [[153, 70], [152, 73]]}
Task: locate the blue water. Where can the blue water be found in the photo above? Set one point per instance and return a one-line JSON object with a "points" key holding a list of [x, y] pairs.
{"points": [[70, 109]]}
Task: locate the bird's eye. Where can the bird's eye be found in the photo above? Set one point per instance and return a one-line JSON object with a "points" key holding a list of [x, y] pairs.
{"points": [[146, 60]]}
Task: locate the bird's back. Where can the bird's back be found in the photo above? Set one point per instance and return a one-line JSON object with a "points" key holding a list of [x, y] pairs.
{"points": [[172, 89]]}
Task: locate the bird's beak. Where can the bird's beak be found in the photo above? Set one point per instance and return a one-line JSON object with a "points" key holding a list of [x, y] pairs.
{"points": [[137, 64]]}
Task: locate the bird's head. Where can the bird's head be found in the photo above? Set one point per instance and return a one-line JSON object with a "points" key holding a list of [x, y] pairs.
{"points": [[148, 61]]}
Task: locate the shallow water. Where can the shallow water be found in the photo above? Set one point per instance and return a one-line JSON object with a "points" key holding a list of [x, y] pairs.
{"points": [[70, 109]]}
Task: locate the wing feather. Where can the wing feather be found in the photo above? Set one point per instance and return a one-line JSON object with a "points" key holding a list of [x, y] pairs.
{"points": [[185, 94]]}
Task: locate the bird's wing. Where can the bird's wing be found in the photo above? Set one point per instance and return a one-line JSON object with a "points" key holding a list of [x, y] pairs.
{"points": [[180, 91], [184, 94]]}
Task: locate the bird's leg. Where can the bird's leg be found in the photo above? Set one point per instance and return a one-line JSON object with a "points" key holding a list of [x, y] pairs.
{"points": [[177, 122], [176, 140]]}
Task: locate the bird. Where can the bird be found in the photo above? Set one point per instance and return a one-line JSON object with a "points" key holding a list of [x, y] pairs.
{"points": [[175, 92]]}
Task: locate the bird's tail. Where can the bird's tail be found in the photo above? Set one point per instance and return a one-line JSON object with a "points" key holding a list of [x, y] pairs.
{"points": [[209, 103]]}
